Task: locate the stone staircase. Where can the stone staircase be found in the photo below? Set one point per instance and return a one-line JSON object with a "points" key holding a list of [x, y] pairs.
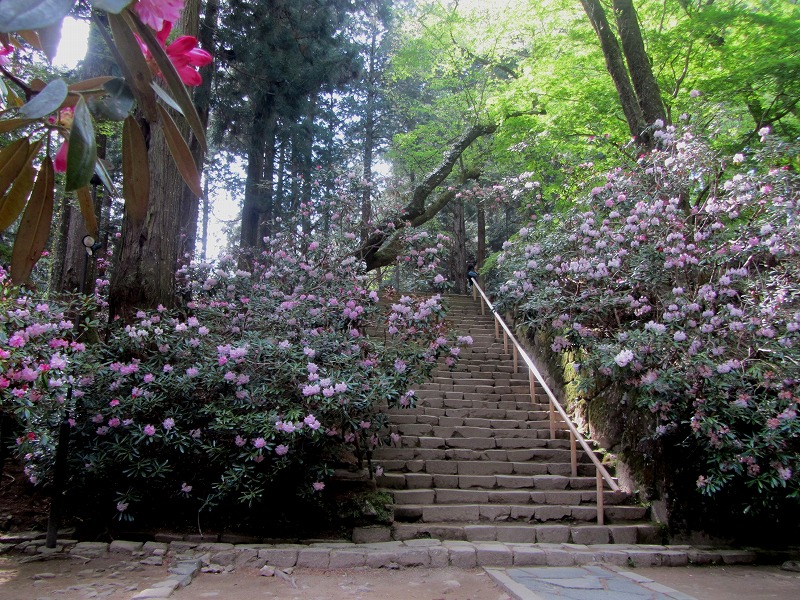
{"points": [[475, 460]]}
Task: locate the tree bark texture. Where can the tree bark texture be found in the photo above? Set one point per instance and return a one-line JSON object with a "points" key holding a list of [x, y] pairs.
{"points": [[380, 248], [616, 68], [644, 82], [459, 247], [145, 273]]}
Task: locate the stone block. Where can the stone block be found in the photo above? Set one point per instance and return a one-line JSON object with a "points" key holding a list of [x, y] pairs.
{"points": [[559, 558], [493, 555], [526, 556], [489, 512], [480, 533], [413, 557], [518, 534], [125, 547], [552, 513], [150, 593], [89, 549], [417, 481], [622, 534], [377, 559], [279, 556], [439, 556], [314, 558], [552, 534], [156, 548], [550, 482], [248, 557], [213, 547], [439, 513], [371, 534], [463, 557], [590, 534], [347, 559]]}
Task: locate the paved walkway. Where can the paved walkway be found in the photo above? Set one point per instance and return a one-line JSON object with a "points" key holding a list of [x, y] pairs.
{"points": [[590, 582]]}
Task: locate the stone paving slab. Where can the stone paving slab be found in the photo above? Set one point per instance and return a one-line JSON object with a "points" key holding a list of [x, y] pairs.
{"points": [[589, 582]]}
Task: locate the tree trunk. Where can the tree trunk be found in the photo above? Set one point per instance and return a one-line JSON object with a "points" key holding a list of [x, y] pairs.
{"points": [[644, 82], [145, 273], [369, 141], [459, 247], [616, 68], [258, 187]]}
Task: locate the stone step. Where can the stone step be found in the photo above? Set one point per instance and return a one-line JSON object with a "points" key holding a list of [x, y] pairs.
{"points": [[481, 443], [401, 418], [468, 413], [629, 533], [491, 454], [502, 403], [516, 497], [486, 482], [531, 429], [533, 466], [523, 513]]}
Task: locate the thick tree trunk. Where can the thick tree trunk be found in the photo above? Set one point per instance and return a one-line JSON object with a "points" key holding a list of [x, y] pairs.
{"points": [[257, 206], [145, 273], [616, 68], [644, 82]]}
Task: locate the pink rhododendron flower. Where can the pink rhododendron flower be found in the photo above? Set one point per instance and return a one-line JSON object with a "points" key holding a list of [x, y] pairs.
{"points": [[149, 430], [281, 449], [186, 57], [155, 12], [318, 486], [60, 160]]}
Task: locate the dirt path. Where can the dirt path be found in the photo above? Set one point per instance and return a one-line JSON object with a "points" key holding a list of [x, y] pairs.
{"points": [[728, 583], [350, 584]]}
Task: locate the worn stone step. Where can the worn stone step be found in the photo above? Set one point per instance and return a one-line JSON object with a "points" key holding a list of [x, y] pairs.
{"points": [[526, 513], [511, 532], [544, 481], [516, 497]]}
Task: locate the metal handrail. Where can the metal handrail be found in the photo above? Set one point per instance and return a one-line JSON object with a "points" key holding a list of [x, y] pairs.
{"points": [[555, 406]]}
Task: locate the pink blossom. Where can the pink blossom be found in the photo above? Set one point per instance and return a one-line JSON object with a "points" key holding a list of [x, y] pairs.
{"points": [[318, 486], [240, 441], [281, 449], [168, 423], [259, 442], [154, 12], [184, 54], [149, 430]]}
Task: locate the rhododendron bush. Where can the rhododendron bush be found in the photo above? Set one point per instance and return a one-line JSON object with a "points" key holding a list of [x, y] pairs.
{"points": [[265, 381], [676, 282]]}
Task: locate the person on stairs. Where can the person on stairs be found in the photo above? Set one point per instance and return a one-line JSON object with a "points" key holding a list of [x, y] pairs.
{"points": [[471, 274]]}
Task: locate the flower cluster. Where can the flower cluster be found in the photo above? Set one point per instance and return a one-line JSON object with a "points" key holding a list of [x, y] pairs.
{"points": [[677, 281]]}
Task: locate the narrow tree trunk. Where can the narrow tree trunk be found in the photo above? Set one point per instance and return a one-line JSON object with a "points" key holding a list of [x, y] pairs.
{"points": [[369, 142], [644, 82], [616, 68], [459, 247], [258, 186]]}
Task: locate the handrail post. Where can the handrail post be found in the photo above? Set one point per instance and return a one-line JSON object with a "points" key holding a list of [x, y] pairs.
{"points": [[483, 307], [600, 499], [516, 359], [573, 453], [496, 328], [505, 342], [552, 421], [533, 387], [475, 293]]}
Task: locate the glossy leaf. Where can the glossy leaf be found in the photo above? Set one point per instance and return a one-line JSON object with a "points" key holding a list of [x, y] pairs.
{"points": [[111, 6], [131, 61], [82, 151], [18, 15], [135, 171], [89, 85], [8, 125], [47, 101], [116, 105], [87, 210], [12, 159], [34, 229], [180, 153], [168, 100], [11, 204], [32, 39], [50, 37], [102, 172], [170, 75]]}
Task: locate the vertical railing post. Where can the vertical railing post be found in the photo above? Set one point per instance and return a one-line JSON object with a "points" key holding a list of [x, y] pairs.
{"points": [[505, 342], [533, 387], [573, 453], [483, 306], [600, 499], [516, 359], [552, 421], [475, 292], [496, 328]]}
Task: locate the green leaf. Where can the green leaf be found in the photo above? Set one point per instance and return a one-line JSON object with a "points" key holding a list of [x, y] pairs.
{"points": [[102, 172], [47, 101], [171, 76], [19, 15], [34, 229], [117, 105], [180, 153], [135, 171], [112, 6], [169, 100], [87, 210], [82, 152], [50, 37], [131, 61]]}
